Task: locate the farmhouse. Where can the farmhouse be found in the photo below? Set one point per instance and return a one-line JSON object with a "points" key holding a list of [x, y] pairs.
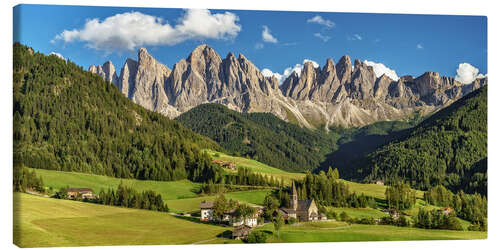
{"points": [[392, 212], [447, 210], [206, 210], [241, 232], [303, 210], [225, 164], [80, 193]]}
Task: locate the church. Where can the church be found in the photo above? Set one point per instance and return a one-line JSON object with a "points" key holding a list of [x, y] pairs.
{"points": [[302, 210]]}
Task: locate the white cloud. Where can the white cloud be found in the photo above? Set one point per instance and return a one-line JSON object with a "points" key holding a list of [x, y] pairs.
{"points": [[129, 30], [466, 73], [288, 71], [320, 20], [259, 46], [380, 69], [420, 46], [268, 73], [57, 54], [325, 38], [355, 37], [267, 36]]}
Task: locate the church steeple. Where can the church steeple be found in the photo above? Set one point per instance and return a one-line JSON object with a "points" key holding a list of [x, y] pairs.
{"points": [[293, 197]]}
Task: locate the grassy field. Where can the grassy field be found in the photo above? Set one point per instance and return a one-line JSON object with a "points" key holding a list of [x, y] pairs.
{"points": [[255, 166], [374, 190], [359, 212], [340, 231], [180, 196], [192, 204], [47, 222], [168, 189]]}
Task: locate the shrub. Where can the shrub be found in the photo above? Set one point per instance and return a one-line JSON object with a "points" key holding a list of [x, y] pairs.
{"points": [[344, 216], [291, 220], [257, 237]]}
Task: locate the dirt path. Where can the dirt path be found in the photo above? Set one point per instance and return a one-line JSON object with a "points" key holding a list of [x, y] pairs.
{"points": [[203, 241]]}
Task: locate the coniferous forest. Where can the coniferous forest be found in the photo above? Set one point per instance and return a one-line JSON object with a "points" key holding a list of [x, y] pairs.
{"points": [[449, 148], [68, 119]]}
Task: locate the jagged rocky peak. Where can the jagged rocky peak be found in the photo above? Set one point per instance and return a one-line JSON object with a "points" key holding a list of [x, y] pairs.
{"points": [[106, 71], [344, 69], [336, 94]]}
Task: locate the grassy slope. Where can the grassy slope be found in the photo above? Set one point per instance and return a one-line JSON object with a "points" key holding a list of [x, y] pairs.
{"points": [[179, 195], [193, 204], [168, 189], [256, 166], [49, 222], [340, 231]]}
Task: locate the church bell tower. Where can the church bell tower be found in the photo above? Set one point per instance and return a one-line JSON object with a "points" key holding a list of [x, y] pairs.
{"points": [[293, 197]]}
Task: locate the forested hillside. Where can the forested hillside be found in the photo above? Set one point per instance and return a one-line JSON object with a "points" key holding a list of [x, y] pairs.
{"points": [[261, 136], [69, 119], [448, 148]]}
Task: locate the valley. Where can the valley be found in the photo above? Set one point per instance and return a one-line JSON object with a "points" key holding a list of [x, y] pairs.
{"points": [[114, 164]]}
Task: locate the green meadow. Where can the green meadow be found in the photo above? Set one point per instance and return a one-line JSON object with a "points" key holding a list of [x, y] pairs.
{"points": [[340, 231], [167, 189], [255, 197], [47, 222], [256, 166]]}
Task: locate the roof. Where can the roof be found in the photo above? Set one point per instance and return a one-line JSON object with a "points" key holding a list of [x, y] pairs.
{"points": [[304, 204], [288, 210], [206, 204], [80, 190], [241, 230]]}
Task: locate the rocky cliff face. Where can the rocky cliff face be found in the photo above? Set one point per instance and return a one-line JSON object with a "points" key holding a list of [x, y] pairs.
{"points": [[336, 95]]}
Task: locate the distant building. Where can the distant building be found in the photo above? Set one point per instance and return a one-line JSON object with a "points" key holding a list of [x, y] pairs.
{"points": [[302, 210], [80, 193], [225, 164], [392, 212], [447, 210], [241, 232], [378, 182]]}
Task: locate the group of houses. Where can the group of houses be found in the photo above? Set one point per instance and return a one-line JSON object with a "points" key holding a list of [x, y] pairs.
{"points": [[207, 214], [301, 210], [225, 164], [83, 193]]}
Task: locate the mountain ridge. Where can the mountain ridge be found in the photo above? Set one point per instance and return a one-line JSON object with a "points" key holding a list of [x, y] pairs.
{"points": [[339, 94]]}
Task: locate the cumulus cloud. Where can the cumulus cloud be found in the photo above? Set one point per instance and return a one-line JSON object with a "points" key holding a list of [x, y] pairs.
{"points": [[129, 30], [269, 73], [466, 73], [297, 68], [267, 36], [420, 46], [57, 54], [325, 38], [259, 46], [320, 20], [380, 69]]}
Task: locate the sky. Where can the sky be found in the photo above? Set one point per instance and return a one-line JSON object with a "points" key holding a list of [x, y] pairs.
{"points": [[277, 42]]}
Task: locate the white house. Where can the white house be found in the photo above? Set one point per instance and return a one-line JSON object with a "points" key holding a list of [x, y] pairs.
{"points": [[207, 211]]}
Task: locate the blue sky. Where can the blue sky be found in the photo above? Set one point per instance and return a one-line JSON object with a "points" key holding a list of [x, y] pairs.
{"points": [[276, 40]]}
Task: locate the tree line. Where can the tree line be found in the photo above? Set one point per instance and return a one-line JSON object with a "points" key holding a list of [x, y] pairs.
{"points": [[25, 179], [471, 207], [124, 196], [328, 190]]}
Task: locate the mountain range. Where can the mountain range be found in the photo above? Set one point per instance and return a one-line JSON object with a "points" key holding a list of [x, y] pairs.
{"points": [[340, 94]]}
